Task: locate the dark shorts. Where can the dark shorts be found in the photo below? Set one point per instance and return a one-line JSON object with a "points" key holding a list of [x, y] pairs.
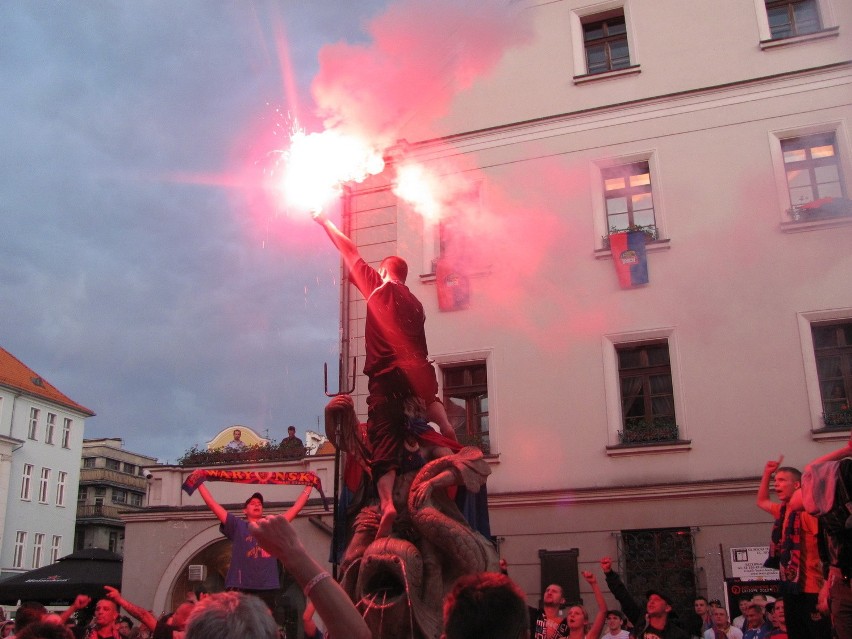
{"points": [[386, 421]]}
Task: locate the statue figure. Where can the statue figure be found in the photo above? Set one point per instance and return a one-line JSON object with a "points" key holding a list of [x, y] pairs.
{"points": [[398, 581]]}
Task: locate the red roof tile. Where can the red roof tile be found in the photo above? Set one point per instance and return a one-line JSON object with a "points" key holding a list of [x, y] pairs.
{"points": [[16, 375]]}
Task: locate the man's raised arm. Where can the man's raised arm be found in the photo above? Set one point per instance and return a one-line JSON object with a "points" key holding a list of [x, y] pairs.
{"points": [[342, 243], [212, 504], [764, 501]]}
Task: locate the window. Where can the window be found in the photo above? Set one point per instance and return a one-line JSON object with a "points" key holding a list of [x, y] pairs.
{"points": [[833, 353], [466, 402], [82, 493], [50, 428], [43, 484], [66, 433], [61, 479], [20, 547], [113, 464], [647, 393], [136, 499], [130, 469], [89, 462], [605, 42], [33, 429], [119, 496], [114, 540], [628, 197], [38, 547], [788, 18], [812, 168], [55, 548], [26, 482], [661, 558]]}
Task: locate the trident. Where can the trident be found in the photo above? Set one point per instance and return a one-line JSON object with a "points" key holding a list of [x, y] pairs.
{"points": [[338, 524]]}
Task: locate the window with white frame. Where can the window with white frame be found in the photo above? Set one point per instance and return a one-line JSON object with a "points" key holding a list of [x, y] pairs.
{"points": [[833, 354], [813, 172], [32, 432], [642, 385], [20, 548], [50, 428], [61, 480], [602, 41], [812, 175], [66, 433], [43, 485], [55, 548], [26, 482], [119, 496], [788, 18], [628, 197], [38, 549], [136, 499]]}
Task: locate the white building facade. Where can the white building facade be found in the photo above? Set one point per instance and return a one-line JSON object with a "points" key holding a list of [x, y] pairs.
{"points": [[40, 445], [635, 422]]}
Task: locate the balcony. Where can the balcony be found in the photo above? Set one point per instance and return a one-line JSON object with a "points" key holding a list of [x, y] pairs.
{"points": [[100, 511], [112, 478]]}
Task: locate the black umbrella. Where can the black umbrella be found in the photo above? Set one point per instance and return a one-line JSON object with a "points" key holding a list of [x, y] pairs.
{"points": [[84, 572]]}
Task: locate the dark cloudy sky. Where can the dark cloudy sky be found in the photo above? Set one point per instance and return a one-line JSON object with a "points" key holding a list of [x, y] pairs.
{"points": [[143, 272]]}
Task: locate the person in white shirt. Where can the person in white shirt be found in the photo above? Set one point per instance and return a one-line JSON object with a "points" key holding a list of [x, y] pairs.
{"points": [[722, 627], [615, 629]]}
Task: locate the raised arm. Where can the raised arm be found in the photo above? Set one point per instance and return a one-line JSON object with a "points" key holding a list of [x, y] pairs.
{"points": [[277, 536], [299, 503], [212, 504], [342, 243], [80, 602], [628, 604], [764, 502], [600, 617], [834, 455], [135, 611]]}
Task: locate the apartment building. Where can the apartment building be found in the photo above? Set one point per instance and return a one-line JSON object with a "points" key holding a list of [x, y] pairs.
{"points": [[41, 436]]}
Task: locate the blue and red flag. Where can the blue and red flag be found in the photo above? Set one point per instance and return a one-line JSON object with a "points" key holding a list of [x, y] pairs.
{"points": [[631, 261]]}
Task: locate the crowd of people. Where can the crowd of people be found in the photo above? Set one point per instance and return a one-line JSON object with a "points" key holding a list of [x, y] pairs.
{"points": [[813, 553]]}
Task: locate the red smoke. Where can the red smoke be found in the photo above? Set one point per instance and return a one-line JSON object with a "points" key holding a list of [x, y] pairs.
{"points": [[423, 53]]}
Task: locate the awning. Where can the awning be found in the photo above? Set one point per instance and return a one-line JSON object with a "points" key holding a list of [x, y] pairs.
{"points": [[84, 572]]}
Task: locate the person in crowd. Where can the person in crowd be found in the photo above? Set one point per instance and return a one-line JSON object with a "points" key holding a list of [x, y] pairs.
{"points": [[722, 627], [794, 551], [779, 622], [144, 616], [756, 626], [7, 628], [252, 569], [702, 620], [743, 603], [277, 537], [231, 614], [654, 622], [125, 626], [396, 362], [45, 630], [291, 442], [237, 442], [615, 622], [29, 612], [483, 605], [548, 622], [579, 626]]}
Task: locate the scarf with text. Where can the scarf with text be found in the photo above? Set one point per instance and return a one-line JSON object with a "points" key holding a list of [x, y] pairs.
{"points": [[197, 477]]}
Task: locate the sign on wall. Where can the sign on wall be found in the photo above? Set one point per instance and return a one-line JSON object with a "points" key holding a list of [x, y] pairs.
{"points": [[747, 564]]}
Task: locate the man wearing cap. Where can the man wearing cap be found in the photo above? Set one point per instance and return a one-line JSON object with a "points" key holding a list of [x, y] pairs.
{"points": [[252, 569], [615, 621], [655, 622]]}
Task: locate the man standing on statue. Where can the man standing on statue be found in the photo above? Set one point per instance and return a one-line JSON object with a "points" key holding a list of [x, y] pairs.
{"points": [[396, 362]]}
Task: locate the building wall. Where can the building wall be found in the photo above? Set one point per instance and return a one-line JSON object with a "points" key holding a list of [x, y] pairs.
{"points": [[31, 516], [734, 283], [111, 480]]}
